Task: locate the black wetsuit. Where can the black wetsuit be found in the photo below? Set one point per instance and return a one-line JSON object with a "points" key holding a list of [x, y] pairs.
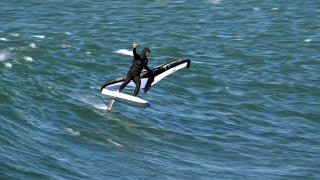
{"points": [[139, 62]]}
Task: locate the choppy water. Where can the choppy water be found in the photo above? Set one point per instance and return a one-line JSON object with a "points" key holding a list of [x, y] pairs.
{"points": [[248, 108]]}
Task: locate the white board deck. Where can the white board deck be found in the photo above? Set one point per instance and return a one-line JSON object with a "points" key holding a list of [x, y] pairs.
{"points": [[132, 100]]}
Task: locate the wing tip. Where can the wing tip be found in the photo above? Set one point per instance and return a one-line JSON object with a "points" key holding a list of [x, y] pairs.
{"points": [[188, 63]]}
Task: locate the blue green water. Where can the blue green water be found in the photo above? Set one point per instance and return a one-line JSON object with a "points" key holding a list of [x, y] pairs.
{"points": [[248, 108]]}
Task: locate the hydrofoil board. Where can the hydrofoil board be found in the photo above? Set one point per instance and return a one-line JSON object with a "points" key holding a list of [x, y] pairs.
{"points": [[128, 99]]}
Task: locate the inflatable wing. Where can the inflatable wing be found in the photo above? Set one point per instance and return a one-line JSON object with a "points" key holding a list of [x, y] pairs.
{"points": [[149, 79]]}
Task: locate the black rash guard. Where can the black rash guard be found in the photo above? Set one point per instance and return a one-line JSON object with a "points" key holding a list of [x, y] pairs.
{"points": [[138, 63]]}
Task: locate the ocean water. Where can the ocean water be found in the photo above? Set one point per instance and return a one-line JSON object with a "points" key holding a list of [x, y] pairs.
{"points": [[248, 108]]}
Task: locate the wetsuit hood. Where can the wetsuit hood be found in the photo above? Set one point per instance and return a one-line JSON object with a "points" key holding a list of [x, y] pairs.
{"points": [[144, 52]]}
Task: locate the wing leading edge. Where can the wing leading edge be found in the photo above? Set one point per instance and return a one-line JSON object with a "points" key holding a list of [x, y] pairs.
{"points": [[149, 79]]}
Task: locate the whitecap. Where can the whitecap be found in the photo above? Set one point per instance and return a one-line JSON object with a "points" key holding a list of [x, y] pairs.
{"points": [[14, 34], [39, 36], [3, 56], [115, 143], [124, 52], [8, 65], [256, 8], [307, 40], [67, 33], [88, 52], [72, 132], [274, 83], [214, 1], [275, 9], [27, 58], [4, 39], [32, 45], [62, 159], [65, 46]]}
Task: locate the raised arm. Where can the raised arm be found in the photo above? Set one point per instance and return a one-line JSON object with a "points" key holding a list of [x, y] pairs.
{"points": [[134, 50]]}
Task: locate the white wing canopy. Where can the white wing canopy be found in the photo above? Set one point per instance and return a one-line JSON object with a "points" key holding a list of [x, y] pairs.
{"points": [[150, 79]]}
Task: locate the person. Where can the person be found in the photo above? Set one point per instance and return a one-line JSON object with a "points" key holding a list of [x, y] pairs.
{"points": [[139, 62]]}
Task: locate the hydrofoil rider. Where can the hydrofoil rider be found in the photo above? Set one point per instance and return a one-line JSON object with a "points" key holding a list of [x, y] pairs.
{"points": [[139, 62]]}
